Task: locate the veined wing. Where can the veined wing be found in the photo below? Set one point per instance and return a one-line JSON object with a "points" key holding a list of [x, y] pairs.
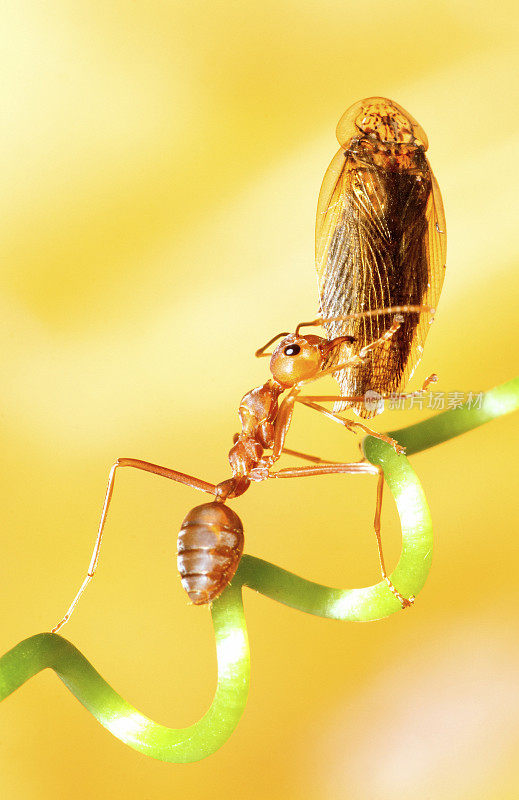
{"points": [[380, 241], [436, 250]]}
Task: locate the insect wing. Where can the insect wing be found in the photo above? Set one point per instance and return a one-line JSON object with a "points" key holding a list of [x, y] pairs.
{"points": [[436, 250], [380, 242]]}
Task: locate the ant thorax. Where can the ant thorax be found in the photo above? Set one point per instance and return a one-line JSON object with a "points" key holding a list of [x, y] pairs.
{"points": [[258, 410]]}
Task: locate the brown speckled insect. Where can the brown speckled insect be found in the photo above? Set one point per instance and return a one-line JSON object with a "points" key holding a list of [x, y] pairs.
{"points": [[380, 255]]}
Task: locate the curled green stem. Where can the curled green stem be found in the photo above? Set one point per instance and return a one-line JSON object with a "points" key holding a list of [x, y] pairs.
{"points": [[46, 650], [499, 401]]}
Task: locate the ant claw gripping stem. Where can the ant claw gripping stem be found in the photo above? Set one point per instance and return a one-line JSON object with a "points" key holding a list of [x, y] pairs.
{"points": [[405, 602], [398, 448]]}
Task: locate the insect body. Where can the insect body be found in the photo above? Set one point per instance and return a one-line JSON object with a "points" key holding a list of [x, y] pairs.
{"points": [[380, 241]]}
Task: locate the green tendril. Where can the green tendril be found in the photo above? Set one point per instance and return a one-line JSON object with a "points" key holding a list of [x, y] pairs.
{"points": [[499, 401], [47, 650]]}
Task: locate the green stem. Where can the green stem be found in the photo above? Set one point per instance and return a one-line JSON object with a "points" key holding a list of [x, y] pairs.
{"points": [[371, 602], [435, 430], [46, 650]]}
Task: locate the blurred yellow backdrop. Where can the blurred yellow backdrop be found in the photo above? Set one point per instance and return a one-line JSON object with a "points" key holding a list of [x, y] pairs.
{"points": [[161, 162]]}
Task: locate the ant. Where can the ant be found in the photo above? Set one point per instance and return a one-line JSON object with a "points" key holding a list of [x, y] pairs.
{"points": [[210, 542]]}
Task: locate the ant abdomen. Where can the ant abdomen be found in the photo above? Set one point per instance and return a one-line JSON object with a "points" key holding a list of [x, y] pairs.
{"points": [[209, 548]]}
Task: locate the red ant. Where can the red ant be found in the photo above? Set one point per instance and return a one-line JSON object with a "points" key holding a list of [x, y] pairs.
{"points": [[210, 542]]}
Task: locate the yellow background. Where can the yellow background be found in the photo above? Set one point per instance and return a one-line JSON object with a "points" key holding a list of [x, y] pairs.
{"points": [[161, 163]]}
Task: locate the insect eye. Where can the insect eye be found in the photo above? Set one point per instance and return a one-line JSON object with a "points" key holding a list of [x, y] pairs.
{"points": [[292, 350]]}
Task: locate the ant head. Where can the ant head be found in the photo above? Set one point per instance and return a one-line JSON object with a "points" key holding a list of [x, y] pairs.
{"points": [[298, 358]]}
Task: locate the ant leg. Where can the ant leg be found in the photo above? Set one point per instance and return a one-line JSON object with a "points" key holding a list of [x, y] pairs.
{"points": [[350, 425], [405, 602], [356, 359], [281, 426], [376, 312], [165, 472], [327, 468], [262, 351], [357, 468], [307, 457], [322, 398], [432, 378]]}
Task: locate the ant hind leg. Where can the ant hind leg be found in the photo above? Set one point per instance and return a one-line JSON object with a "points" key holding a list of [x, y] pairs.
{"points": [[356, 468], [165, 472], [405, 602]]}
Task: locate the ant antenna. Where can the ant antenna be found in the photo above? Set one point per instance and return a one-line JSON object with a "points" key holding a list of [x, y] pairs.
{"points": [[261, 352]]}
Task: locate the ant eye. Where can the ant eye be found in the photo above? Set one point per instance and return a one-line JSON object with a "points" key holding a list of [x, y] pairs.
{"points": [[292, 350]]}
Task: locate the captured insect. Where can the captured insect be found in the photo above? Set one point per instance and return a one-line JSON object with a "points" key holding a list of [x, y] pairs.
{"points": [[380, 258]]}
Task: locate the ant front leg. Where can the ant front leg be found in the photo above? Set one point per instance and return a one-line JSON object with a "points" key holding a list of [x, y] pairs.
{"points": [[329, 398], [374, 312], [360, 356], [349, 363], [356, 468], [307, 457], [350, 425], [309, 401], [165, 472], [281, 426]]}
